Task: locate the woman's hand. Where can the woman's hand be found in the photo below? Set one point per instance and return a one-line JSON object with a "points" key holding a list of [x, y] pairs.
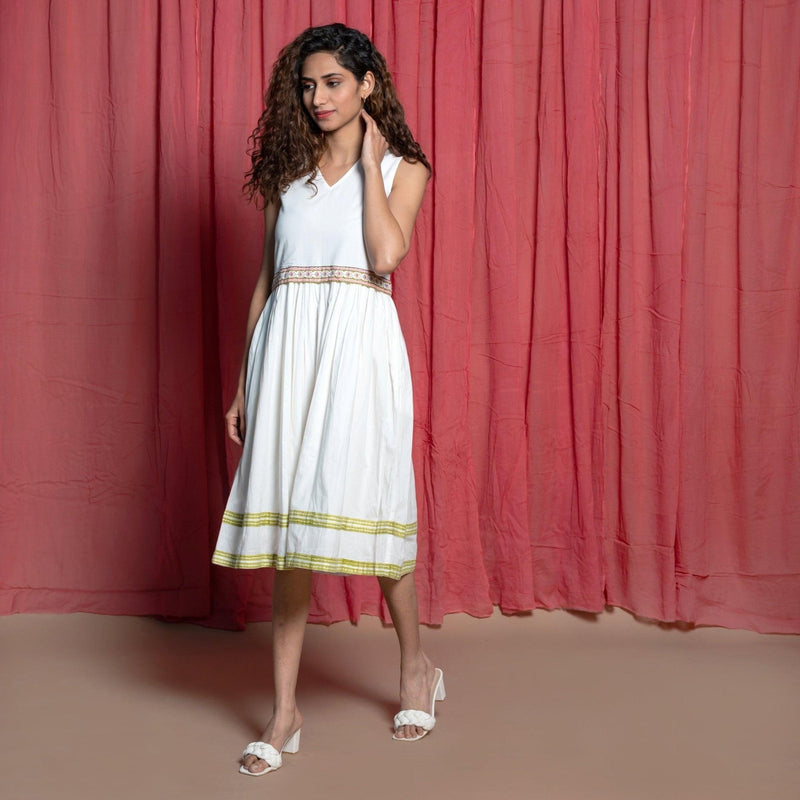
{"points": [[374, 146], [234, 419]]}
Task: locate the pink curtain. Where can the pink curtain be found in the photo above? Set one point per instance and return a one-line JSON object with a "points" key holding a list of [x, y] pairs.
{"points": [[602, 303]]}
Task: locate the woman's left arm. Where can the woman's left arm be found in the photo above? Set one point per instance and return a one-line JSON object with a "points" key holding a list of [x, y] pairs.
{"points": [[388, 221]]}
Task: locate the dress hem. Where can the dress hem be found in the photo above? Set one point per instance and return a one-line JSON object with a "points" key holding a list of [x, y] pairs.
{"points": [[335, 566]]}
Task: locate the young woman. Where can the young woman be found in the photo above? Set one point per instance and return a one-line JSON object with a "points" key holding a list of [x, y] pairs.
{"points": [[324, 404]]}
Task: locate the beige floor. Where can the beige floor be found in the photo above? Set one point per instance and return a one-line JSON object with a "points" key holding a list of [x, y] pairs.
{"points": [[555, 705]]}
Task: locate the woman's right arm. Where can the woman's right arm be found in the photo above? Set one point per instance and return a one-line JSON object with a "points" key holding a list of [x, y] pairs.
{"points": [[235, 418]]}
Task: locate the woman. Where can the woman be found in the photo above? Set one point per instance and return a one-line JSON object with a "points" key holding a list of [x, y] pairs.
{"points": [[324, 403]]}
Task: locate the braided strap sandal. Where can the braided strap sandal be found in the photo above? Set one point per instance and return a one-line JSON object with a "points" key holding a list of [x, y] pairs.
{"points": [[266, 752], [421, 719]]}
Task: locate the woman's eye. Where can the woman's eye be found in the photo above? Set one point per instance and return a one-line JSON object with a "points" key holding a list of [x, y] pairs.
{"points": [[307, 87], [333, 84]]}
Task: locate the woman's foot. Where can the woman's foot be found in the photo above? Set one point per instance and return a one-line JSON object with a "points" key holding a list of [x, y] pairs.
{"points": [[416, 685], [279, 729]]}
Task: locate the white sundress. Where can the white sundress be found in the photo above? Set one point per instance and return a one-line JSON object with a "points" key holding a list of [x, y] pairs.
{"points": [[325, 481]]}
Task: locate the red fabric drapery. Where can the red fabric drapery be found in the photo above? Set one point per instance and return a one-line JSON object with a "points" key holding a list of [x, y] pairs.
{"points": [[602, 303]]}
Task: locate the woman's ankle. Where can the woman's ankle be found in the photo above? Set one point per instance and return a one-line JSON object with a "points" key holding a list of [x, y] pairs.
{"points": [[419, 662]]}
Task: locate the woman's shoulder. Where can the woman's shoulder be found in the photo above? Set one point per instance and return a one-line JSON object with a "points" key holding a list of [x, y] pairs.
{"points": [[411, 175], [301, 188], [409, 167], [394, 165]]}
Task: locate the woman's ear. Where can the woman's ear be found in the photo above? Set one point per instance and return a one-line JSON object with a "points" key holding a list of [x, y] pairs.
{"points": [[367, 85]]}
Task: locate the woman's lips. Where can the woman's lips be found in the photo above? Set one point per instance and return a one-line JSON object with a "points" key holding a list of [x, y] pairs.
{"points": [[322, 114]]}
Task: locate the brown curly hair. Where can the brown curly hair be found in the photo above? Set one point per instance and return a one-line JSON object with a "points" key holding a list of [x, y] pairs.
{"points": [[287, 143]]}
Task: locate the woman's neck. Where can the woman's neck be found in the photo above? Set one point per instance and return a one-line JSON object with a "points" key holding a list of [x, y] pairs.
{"points": [[343, 147]]}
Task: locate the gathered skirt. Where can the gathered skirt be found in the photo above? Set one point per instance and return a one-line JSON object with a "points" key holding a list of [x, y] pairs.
{"points": [[325, 480]]}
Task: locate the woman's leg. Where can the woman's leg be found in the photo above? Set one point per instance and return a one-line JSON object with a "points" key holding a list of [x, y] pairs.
{"points": [[416, 669], [291, 595]]}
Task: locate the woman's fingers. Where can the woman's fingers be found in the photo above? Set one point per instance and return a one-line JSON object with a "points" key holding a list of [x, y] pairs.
{"points": [[233, 430], [234, 424], [375, 145]]}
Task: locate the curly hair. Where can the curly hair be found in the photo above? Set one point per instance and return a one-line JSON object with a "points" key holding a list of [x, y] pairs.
{"points": [[287, 143]]}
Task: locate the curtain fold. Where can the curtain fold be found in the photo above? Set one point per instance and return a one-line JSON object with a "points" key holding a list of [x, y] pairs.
{"points": [[601, 304]]}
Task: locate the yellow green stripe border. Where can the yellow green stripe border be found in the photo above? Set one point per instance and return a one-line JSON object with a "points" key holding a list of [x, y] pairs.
{"points": [[313, 519], [315, 563]]}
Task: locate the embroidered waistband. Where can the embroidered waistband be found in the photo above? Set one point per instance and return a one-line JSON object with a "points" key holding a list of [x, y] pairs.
{"points": [[361, 277]]}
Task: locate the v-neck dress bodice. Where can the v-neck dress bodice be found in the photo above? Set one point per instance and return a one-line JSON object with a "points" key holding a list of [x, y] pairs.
{"points": [[321, 225], [325, 481]]}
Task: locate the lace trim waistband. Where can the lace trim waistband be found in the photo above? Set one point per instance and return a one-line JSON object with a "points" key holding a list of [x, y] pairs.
{"points": [[361, 277]]}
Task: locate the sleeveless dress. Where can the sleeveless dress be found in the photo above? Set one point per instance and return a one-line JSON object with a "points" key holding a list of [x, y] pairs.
{"points": [[325, 480]]}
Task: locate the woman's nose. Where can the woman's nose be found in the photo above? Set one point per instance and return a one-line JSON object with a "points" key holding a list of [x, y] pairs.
{"points": [[319, 96]]}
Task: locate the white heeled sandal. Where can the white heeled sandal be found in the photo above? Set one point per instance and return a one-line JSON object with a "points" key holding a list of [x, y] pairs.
{"points": [[268, 753], [421, 719]]}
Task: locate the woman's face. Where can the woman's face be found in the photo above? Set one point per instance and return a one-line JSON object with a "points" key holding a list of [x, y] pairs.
{"points": [[331, 94]]}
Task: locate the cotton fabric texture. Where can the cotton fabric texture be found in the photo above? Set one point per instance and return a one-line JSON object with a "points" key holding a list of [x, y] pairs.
{"points": [[325, 481]]}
